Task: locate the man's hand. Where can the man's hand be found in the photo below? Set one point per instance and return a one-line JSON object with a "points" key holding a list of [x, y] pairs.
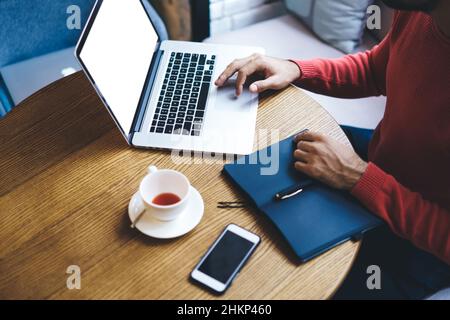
{"points": [[328, 161], [277, 73]]}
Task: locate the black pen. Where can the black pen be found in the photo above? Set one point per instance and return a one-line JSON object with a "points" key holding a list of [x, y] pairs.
{"points": [[293, 190], [298, 188]]}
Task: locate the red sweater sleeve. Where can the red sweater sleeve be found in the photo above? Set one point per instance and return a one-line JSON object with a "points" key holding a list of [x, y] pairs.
{"points": [[352, 76], [424, 223]]}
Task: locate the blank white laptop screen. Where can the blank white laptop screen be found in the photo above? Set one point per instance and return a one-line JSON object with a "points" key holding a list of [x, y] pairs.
{"points": [[117, 53]]}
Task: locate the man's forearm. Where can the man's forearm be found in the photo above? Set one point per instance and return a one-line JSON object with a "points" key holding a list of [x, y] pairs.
{"points": [[424, 223], [352, 76]]}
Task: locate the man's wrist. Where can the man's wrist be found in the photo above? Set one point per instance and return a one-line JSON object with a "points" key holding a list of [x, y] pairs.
{"points": [[355, 174], [296, 70]]}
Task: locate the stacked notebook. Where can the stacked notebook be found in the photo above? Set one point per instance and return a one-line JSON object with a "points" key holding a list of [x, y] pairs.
{"points": [[315, 220]]}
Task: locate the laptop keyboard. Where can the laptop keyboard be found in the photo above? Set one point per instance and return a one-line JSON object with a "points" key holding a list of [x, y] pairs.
{"points": [[182, 102]]}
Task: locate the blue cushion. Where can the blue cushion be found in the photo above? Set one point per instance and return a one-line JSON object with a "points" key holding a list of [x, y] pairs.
{"points": [[30, 28], [6, 102], [341, 23], [2, 110]]}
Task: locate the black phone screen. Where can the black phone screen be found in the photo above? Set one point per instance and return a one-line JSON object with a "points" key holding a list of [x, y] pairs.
{"points": [[222, 262]]}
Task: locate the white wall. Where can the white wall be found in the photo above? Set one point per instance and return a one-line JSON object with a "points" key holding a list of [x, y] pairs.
{"points": [[227, 15]]}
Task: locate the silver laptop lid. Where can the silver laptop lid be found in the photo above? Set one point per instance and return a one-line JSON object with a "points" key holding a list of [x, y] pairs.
{"points": [[116, 51]]}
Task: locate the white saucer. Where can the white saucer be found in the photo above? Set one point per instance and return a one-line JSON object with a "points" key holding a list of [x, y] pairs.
{"points": [[155, 228]]}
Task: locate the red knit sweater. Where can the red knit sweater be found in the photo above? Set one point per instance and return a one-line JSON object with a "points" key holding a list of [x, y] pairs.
{"points": [[407, 182]]}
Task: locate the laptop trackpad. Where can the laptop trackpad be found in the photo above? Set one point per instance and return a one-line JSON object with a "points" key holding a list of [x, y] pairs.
{"points": [[226, 98]]}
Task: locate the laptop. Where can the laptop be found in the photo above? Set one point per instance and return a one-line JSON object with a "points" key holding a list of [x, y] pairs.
{"points": [[161, 93], [28, 76]]}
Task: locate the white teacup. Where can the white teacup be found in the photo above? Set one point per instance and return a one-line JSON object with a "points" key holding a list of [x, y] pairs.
{"points": [[159, 182]]}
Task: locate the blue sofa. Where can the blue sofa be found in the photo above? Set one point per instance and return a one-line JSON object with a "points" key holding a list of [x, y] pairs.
{"points": [[31, 28]]}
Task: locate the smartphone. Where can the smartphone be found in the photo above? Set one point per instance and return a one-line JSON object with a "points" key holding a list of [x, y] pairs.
{"points": [[225, 258]]}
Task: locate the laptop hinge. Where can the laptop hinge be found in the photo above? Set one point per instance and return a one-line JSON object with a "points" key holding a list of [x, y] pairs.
{"points": [[146, 93]]}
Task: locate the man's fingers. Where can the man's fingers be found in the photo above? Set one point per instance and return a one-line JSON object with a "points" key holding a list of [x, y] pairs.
{"points": [[306, 146], [301, 156], [263, 85], [307, 169], [243, 74], [232, 68], [308, 136], [302, 167], [240, 81]]}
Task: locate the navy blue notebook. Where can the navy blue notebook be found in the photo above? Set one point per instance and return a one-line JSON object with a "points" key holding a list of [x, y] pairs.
{"points": [[312, 222]]}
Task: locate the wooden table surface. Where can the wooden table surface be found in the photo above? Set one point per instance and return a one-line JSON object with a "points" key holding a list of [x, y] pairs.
{"points": [[67, 176]]}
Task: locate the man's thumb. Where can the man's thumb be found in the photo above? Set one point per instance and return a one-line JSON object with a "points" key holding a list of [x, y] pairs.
{"points": [[263, 85]]}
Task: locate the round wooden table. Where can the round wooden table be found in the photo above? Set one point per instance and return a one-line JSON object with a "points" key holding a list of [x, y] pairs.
{"points": [[67, 176]]}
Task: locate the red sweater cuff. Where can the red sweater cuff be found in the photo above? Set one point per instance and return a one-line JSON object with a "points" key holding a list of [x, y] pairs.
{"points": [[308, 69], [370, 185]]}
